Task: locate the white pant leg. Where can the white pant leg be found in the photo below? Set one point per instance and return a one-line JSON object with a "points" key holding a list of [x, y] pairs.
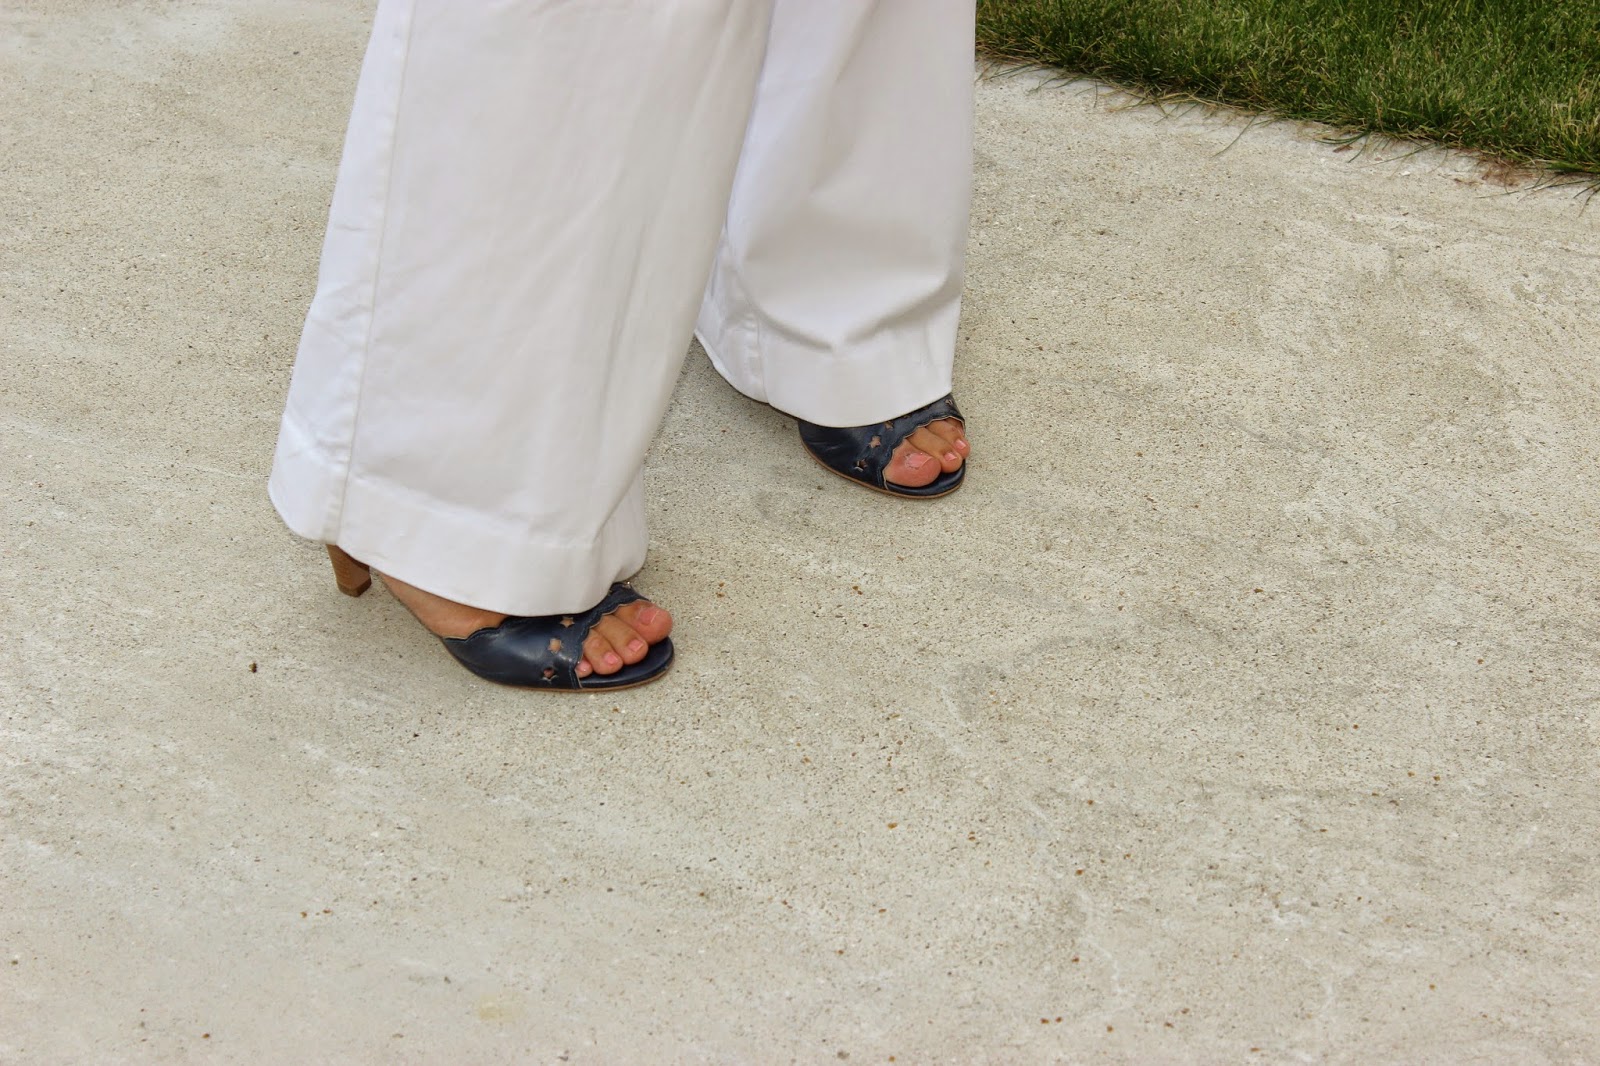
{"points": [[838, 280], [524, 219]]}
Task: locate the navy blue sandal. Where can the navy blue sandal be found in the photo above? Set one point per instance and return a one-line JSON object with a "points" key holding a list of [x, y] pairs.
{"points": [[862, 453], [531, 652]]}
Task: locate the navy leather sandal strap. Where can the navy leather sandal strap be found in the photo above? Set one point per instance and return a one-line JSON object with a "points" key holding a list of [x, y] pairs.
{"points": [[862, 453], [544, 651]]}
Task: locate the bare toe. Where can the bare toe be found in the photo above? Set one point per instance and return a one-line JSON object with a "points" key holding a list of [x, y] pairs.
{"points": [[954, 433], [911, 466], [628, 644], [938, 448], [600, 653], [646, 619]]}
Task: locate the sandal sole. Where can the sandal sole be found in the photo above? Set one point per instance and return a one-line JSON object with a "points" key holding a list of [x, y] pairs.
{"points": [[660, 671], [887, 492], [592, 690]]}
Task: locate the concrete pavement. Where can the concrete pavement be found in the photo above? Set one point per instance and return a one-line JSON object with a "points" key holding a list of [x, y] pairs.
{"points": [[1241, 708]]}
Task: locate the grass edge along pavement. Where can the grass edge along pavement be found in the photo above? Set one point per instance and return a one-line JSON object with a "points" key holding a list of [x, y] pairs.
{"points": [[1518, 80]]}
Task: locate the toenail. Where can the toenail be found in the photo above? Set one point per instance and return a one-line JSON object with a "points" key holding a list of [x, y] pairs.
{"points": [[611, 659], [962, 445], [649, 615], [951, 457], [919, 460], [636, 645], [584, 669]]}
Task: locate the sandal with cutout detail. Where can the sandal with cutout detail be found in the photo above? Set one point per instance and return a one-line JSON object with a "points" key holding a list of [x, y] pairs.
{"points": [[536, 652], [862, 453]]}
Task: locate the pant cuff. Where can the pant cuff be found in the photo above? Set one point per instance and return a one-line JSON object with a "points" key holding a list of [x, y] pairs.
{"points": [[881, 378], [472, 558]]}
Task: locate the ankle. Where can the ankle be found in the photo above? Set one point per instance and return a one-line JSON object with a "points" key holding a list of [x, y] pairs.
{"points": [[441, 617]]}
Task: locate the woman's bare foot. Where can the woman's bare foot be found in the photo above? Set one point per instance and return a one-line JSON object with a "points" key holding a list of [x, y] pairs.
{"points": [[937, 448], [620, 638]]}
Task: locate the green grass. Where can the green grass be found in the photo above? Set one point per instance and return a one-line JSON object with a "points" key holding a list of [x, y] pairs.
{"points": [[1516, 79]]}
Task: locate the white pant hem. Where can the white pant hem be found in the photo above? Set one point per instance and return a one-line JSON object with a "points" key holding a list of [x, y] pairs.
{"points": [[448, 551]]}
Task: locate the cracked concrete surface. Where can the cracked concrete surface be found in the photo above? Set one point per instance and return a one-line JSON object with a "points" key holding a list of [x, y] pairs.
{"points": [[1241, 708]]}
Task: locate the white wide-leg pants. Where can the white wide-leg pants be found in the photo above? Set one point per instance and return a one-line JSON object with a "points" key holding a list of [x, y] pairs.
{"points": [[532, 198]]}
